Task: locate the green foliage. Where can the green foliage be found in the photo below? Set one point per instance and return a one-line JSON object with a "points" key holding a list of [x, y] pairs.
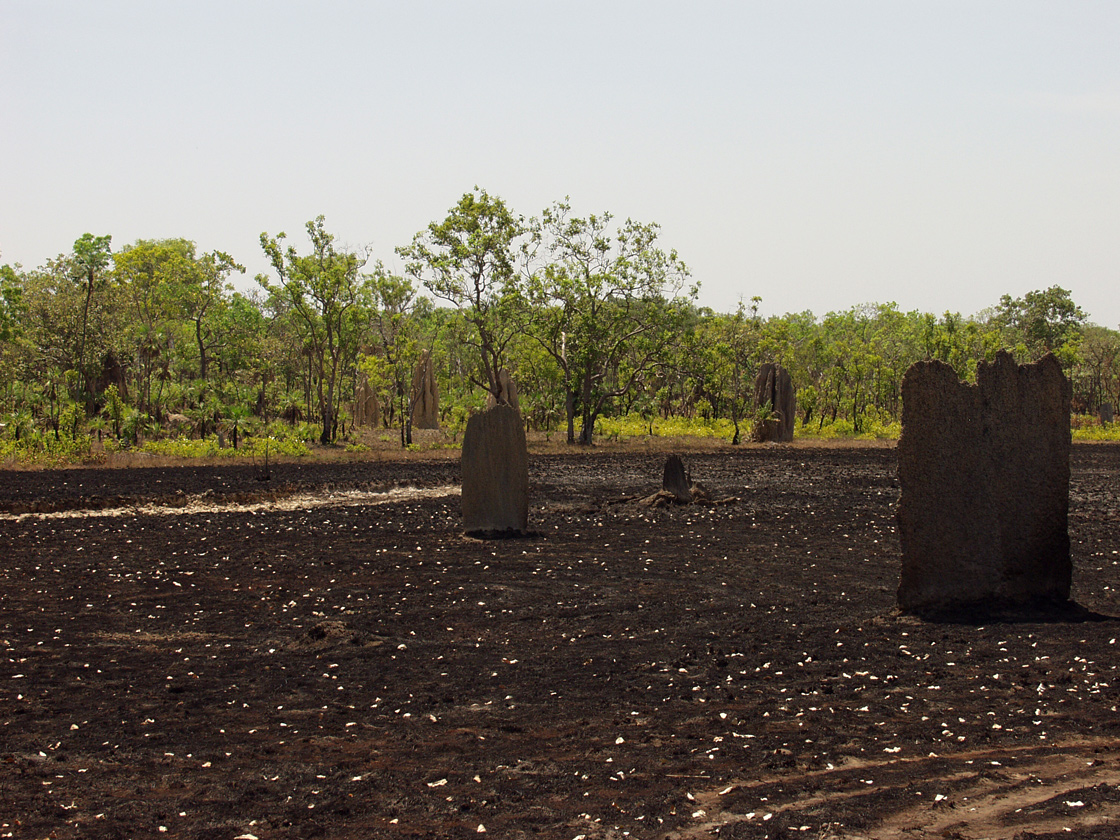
{"points": [[26, 444], [114, 406], [11, 303], [285, 442], [1041, 322], [872, 428], [600, 308], [469, 260], [324, 293], [181, 447], [636, 426], [1095, 432], [151, 348]]}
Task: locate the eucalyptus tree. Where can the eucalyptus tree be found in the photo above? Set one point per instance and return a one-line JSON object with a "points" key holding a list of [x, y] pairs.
{"points": [[91, 256], [606, 303], [727, 348], [797, 342], [155, 276], [53, 322], [396, 316], [1041, 322], [540, 384], [1096, 376], [203, 294], [58, 330], [324, 291], [470, 260], [12, 317], [960, 342], [11, 301], [249, 350]]}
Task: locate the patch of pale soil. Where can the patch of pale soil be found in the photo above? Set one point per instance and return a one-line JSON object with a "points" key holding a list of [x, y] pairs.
{"points": [[989, 794], [299, 501]]}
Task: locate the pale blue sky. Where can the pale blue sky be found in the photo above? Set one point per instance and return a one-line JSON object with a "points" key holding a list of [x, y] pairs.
{"points": [[818, 154]]}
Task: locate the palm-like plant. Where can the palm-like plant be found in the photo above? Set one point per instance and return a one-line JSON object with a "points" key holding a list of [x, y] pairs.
{"points": [[19, 422], [239, 422]]}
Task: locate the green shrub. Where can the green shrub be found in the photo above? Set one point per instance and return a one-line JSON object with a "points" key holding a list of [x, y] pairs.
{"points": [[634, 425], [181, 447], [1096, 432], [45, 449], [873, 428], [254, 447]]}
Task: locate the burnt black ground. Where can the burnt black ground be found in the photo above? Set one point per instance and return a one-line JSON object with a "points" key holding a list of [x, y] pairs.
{"points": [[364, 670]]}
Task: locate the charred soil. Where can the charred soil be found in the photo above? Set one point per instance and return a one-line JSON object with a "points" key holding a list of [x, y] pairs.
{"points": [[191, 652]]}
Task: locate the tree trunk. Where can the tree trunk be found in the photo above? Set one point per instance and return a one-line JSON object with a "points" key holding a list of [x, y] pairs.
{"points": [[203, 362], [587, 412], [570, 410], [586, 432], [328, 424], [83, 375]]}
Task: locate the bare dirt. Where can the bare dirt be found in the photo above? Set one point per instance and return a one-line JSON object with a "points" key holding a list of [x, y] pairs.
{"points": [[198, 653]]}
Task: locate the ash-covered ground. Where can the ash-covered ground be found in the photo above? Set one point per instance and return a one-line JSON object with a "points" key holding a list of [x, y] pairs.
{"points": [[191, 652]]}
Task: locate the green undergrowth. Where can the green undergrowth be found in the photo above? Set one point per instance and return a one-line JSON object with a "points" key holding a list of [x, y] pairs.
{"points": [[841, 429], [1095, 431], [253, 447], [635, 426], [46, 449]]}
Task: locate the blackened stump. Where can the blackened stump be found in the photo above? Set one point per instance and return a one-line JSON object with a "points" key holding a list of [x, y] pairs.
{"points": [[675, 480]]}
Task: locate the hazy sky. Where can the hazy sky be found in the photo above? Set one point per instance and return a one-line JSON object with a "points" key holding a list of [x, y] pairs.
{"points": [[817, 154]]}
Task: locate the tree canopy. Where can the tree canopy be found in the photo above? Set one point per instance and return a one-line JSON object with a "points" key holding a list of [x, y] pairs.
{"points": [[593, 318]]}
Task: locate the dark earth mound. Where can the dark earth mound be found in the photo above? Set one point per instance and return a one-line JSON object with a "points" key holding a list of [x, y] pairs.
{"points": [[339, 661]]}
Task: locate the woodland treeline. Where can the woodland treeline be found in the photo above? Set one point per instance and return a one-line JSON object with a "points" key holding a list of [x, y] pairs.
{"points": [[594, 318]]}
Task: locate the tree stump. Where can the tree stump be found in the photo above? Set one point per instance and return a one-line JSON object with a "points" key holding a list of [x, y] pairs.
{"points": [[675, 480]]}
